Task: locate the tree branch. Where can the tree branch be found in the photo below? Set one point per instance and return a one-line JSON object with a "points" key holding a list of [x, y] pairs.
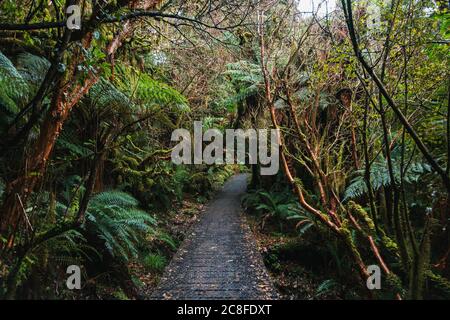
{"points": [[128, 16], [347, 5]]}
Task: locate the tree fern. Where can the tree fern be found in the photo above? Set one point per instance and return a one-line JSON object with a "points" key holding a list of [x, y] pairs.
{"points": [[113, 216], [379, 175], [151, 91], [32, 68], [104, 95], [148, 92], [14, 90], [247, 79], [71, 145], [68, 248]]}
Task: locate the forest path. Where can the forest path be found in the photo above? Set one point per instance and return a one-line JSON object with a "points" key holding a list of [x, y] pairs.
{"points": [[219, 258]]}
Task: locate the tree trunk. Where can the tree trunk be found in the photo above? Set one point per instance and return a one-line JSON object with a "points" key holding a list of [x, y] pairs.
{"points": [[19, 190]]}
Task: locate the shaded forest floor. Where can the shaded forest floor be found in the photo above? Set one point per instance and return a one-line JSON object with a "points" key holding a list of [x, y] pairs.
{"points": [[145, 273], [179, 221], [298, 268]]}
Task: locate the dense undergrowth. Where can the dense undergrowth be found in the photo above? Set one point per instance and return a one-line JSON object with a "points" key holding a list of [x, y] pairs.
{"points": [[86, 119], [305, 260], [124, 244]]}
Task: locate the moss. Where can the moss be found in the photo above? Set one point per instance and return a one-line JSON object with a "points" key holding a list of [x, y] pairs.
{"points": [[390, 245], [362, 214], [347, 235], [131, 161], [439, 282], [394, 284], [420, 265], [150, 182], [325, 217], [387, 242], [120, 295]]}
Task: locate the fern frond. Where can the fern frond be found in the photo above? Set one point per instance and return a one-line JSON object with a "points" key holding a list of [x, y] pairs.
{"points": [[148, 92], [118, 198], [104, 95], [379, 175], [114, 217], [32, 68], [14, 91]]}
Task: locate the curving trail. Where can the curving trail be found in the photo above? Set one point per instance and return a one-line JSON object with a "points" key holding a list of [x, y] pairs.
{"points": [[218, 259]]}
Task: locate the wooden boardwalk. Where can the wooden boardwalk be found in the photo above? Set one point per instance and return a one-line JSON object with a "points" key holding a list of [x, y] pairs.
{"points": [[218, 259]]}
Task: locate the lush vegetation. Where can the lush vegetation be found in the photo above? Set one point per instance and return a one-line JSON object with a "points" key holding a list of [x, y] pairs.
{"points": [[361, 101]]}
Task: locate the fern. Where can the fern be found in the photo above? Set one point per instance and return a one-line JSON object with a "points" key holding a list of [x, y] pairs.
{"points": [[245, 73], [275, 204], [14, 91], [104, 95], [32, 68], [167, 239], [69, 143], [113, 216], [117, 198], [19, 83], [326, 287], [247, 79], [379, 176], [151, 92], [305, 222], [71, 247], [148, 92]]}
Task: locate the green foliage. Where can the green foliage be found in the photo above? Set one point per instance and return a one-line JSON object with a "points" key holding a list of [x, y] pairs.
{"points": [[149, 85], [71, 146], [274, 204], [246, 75], [120, 295], [305, 222], [114, 217], [2, 188], [104, 95], [154, 262], [14, 90], [273, 262], [246, 78], [32, 68], [218, 175], [157, 93], [279, 205], [326, 287], [19, 83], [167, 239], [157, 183], [69, 248], [440, 283], [379, 175], [148, 92]]}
